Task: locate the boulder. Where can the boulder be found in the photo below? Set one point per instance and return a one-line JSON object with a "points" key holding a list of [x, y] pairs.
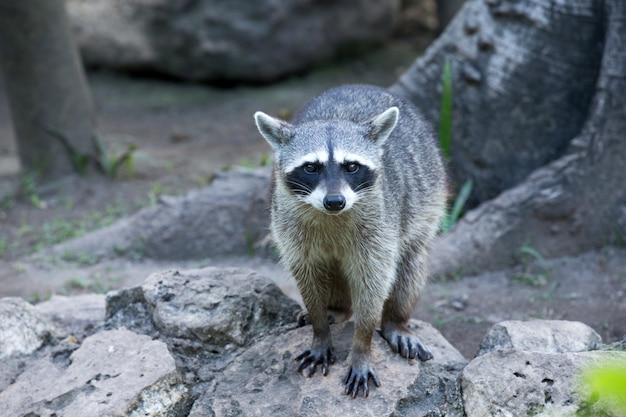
{"points": [[510, 383], [217, 306], [112, 373], [205, 316], [546, 336], [23, 329], [223, 342], [263, 380], [234, 337], [534, 368], [226, 218], [225, 40]]}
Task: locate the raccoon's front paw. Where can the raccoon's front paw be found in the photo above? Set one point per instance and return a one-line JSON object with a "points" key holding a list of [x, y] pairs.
{"points": [[309, 359], [358, 376], [405, 343]]}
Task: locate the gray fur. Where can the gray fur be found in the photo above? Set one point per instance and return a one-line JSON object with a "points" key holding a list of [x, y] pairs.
{"points": [[370, 259]]}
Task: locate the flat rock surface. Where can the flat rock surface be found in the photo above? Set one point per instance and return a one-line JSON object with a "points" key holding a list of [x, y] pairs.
{"points": [[264, 381], [112, 373]]}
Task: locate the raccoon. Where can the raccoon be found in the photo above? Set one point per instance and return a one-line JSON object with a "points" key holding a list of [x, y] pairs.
{"points": [[359, 188]]}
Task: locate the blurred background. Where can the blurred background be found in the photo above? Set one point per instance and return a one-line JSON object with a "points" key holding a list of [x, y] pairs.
{"points": [[159, 95]]}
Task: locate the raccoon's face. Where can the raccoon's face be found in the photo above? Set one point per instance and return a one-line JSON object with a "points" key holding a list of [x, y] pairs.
{"points": [[328, 164], [331, 180]]}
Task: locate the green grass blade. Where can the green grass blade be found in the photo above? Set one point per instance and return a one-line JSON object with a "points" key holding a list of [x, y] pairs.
{"points": [[460, 200], [445, 116]]}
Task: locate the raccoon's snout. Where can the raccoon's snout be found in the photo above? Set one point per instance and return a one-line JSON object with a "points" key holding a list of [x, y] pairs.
{"points": [[334, 202]]}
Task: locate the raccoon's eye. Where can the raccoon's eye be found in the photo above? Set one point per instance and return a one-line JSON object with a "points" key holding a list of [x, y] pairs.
{"points": [[310, 168], [352, 167]]}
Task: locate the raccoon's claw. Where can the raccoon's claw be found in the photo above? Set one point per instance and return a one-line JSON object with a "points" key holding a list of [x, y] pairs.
{"points": [[310, 358], [411, 348], [407, 345], [356, 378]]}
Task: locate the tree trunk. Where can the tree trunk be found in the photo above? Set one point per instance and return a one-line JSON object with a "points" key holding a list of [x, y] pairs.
{"points": [[45, 85], [446, 9], [539, 125]]}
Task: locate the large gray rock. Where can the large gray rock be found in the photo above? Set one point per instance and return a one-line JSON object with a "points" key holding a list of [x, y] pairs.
{"points": [[263, 380], [227, 39], [113, 373], [226, 218], [205, 316], [23, 329], [511, 383], [217, 306], [547, 336], [234, 337]]}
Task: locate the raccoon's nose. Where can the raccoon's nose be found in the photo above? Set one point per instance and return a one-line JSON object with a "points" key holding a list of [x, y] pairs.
{"points": [[334, 202]]}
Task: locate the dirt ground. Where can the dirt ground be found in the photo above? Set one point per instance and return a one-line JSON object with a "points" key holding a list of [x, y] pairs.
{"points": [[184, 133]]}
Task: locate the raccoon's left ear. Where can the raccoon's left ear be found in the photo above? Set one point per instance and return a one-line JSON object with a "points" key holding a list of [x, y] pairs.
{"points": [[381, 126], [275, 131]]}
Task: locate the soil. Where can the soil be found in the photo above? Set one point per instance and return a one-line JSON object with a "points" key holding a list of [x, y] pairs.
{"points": [[186, 132]]}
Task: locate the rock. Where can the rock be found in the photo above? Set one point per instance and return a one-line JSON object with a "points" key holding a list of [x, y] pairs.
{"points": [[23, 329], [547, 336], [263, 380], [234, 338], [222, 342], [218, 306], [205, 316], [113, 373], [224, 40], [510, 382], [76, 315], [226, 218]]}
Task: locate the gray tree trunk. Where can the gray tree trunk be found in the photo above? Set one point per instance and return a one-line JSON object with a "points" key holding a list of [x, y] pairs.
{"points": [[45, 84], [539, 125], [446, 9]]}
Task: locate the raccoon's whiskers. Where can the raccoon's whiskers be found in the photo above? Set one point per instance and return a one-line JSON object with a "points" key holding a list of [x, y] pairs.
{"points": [[301, 188]]}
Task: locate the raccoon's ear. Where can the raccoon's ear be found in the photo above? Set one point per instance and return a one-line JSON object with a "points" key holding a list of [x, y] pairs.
{"points": [[275, 131], [381, 126]]}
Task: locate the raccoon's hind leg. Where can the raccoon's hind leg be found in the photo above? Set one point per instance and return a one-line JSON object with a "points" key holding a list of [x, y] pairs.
{"points": [[411, 277]]}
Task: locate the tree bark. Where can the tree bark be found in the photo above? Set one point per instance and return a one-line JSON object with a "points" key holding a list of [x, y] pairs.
{"points": [[540, 120], [446, 9], [45, 84]]}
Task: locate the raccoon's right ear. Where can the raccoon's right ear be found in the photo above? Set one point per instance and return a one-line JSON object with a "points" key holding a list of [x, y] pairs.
{"points": [[381, 126], [275, 131]]}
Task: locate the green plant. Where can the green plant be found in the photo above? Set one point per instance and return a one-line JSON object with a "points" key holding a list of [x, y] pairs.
{"points": [[602, 387], [28, 189], [103, 158], [155, 191], [445, 143], [250, 244], [535, 271], [4, 243], [110, 164], [452, 216], [445, 116], [80, 161], [93, 284], [79, 258]]}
